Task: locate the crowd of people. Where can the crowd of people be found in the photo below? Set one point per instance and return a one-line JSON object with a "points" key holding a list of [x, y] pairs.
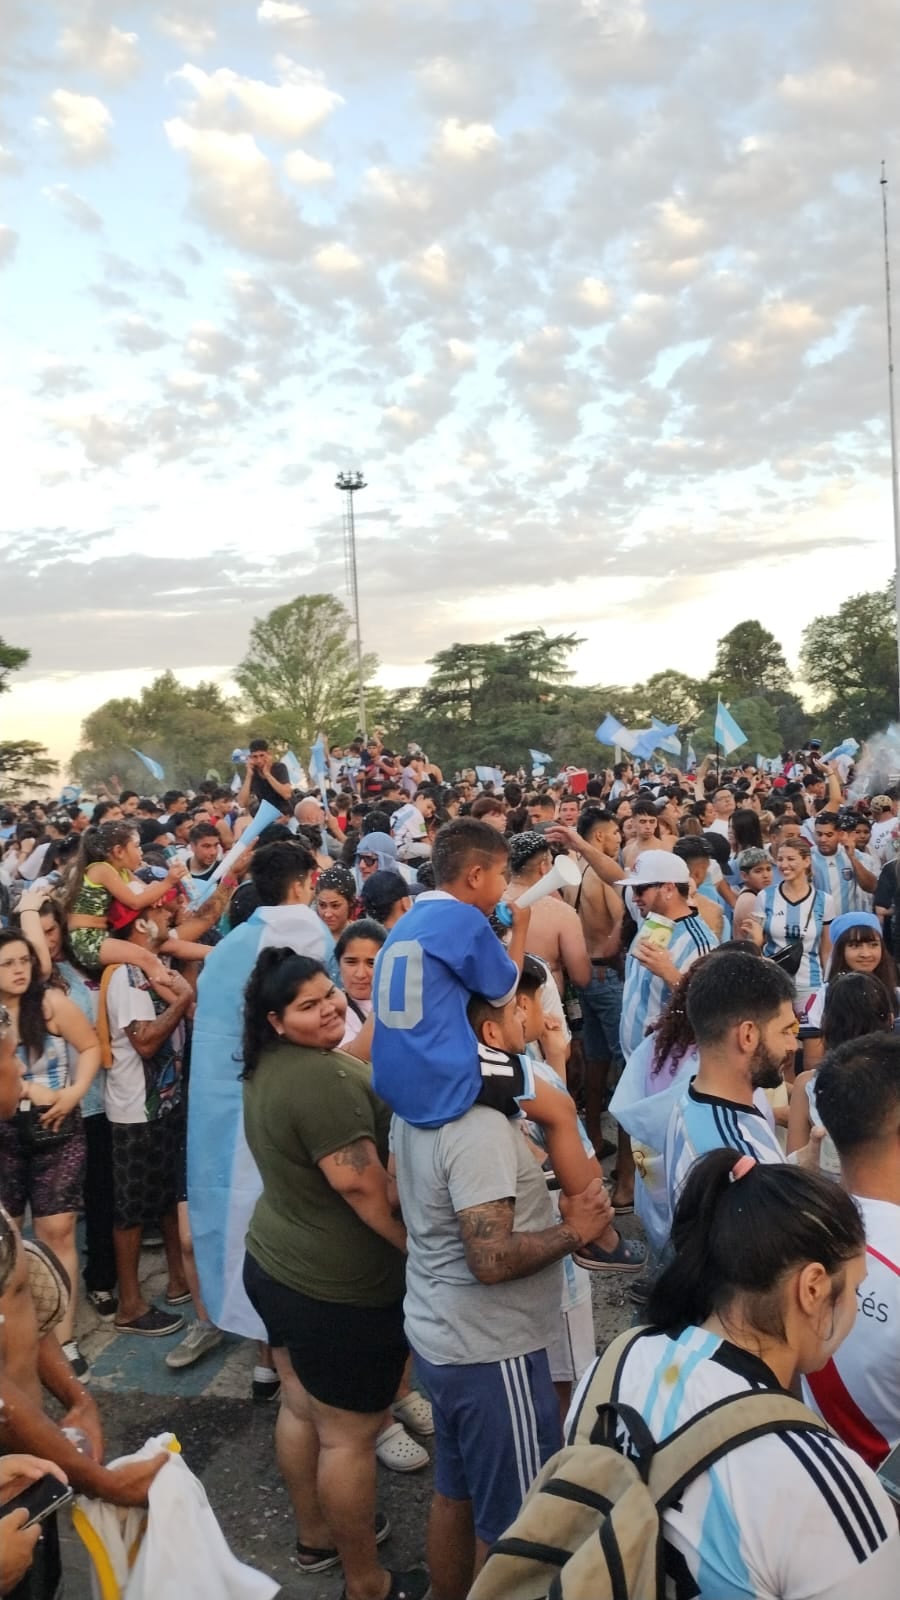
{"points": [[361, 1075]]}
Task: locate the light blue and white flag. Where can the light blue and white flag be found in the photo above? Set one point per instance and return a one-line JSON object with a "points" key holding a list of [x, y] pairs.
{"points": [[201, 888], [611, 731], [847, 747], [153, 767], [223, 1180], [318, 767], [294, 770], [239, 757], [726, 732], [644, 742], [540, 758], [490, 775], [690, 759], [667, 740], [71, 794]]}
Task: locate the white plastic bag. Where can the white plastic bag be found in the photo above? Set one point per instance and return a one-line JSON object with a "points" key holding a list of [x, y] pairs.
{"points": [[183, 1554]]}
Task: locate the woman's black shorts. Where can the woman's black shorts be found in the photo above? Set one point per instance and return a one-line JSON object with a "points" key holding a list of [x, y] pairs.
{"points": [[346, 1356]]}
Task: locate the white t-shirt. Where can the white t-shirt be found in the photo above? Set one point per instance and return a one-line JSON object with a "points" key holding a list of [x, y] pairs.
{"points": [[858, 1392], [788, 1516], [136, 1090], [719, 826], [881, 840]]}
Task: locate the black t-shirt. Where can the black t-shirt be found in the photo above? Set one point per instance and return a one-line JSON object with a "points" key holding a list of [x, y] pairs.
{"points": [[262, 789]]}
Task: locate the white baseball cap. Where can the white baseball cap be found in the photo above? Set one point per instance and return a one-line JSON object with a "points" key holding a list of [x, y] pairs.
{"points": [[657, 866]]}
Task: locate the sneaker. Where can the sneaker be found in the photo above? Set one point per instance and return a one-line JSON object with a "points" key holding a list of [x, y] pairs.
{"points": [[628, 1256], [266, 1385], [76, 1361], [200, 1338], [154, 1324], [104, 1302]]}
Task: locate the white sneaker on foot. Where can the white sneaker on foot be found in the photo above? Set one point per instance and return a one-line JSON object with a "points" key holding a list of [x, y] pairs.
{"points": [[199, 1339]]}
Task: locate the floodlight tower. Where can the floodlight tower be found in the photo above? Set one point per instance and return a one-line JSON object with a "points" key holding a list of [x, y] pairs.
{"points": [[349, 484]]}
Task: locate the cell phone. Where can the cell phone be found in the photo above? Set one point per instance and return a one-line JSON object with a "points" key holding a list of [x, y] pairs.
{"points": [[888, 1474], [40, 1499]]}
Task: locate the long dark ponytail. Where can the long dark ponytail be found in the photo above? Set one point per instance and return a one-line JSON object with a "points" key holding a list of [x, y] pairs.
{"points": [[272, 985], [737, 1238]]}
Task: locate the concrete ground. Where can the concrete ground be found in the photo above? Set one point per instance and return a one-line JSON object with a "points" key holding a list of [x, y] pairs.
{"points": [[228, 1441]]}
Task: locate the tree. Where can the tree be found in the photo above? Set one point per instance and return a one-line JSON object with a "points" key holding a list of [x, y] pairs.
{"points": [[849, 659], [756, 718], [24, 765], [189, 731], [299, 674], [24, 769], [11, 659], [673, 697], [750, 661]]}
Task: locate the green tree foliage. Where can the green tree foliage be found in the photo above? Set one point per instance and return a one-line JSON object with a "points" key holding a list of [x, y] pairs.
{"points": [[24, 765], [750, 661], [849, 660], [189, 731], [299, 673], [25, 769], [11, 659]]}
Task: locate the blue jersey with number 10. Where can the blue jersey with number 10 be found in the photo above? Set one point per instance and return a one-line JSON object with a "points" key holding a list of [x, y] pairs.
{"points": [[424, 1052]]}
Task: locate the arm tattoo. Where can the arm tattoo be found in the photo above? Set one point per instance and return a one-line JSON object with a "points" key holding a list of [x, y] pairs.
{"points": [[496, 1254], [357, 1156]]}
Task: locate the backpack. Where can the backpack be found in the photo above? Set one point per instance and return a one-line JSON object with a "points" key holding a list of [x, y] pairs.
{"points": [[591, 1526]]}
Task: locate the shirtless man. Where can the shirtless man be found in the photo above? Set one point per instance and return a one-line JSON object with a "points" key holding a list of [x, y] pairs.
{"points": [[646, 832], [601, 908], [26, 1363], [554, 932]]}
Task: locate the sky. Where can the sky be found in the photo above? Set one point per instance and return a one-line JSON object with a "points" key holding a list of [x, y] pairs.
{"points": [[592, 293]]}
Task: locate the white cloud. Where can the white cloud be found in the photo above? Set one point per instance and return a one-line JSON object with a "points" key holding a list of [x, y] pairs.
{"points": [[288, 110], [336, 259], [280, 11], [192, 32], [467, 141], [305, 169], [74, 207], [101, 48], [136, 335], [9, 243], [235, 189], [83, 123]]}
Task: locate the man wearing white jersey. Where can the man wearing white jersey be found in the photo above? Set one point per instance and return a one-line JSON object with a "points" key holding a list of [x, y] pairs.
{"points": [[660, 883], [741, 1009], [858, 1099], [839, 868]]}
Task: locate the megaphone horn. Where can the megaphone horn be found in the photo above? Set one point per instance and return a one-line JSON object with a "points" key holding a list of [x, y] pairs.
{"points": [[562, 875]]}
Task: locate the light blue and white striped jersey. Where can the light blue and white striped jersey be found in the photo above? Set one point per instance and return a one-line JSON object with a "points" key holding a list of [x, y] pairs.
{"points": [[786, 1516], [699, 1123], [645, 995], [784, 920], [835, 875]]}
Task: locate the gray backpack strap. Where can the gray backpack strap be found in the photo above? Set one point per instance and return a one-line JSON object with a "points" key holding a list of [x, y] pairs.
{"points": [[603, 1385], [734, 1421]]}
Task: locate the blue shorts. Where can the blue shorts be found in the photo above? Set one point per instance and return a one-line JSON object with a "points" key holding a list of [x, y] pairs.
{"points": [[601, 1008], [495, 1424]]}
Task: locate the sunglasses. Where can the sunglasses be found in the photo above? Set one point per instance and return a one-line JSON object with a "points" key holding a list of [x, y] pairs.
{"points": [[369, 861]]}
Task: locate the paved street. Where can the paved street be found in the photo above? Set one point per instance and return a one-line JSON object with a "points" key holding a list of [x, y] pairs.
{"points": [[227, 1440]]}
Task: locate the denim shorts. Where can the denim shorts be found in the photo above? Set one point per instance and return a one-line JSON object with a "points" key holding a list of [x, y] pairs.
{"points": [[601, 1008]]}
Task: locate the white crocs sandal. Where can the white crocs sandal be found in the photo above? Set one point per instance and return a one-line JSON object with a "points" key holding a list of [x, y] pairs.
{"points": [[414, 1411], [398, 1452]]}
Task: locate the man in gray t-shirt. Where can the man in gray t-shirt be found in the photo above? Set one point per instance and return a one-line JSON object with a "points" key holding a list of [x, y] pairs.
{"points": [[482, 1303]]}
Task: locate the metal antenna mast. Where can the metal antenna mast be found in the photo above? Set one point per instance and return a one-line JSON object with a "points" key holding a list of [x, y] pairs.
{"points": [[895, 491], [349, 484]]}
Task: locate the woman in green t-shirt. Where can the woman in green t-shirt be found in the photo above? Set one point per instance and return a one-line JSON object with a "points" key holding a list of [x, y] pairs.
{"points": [[324, 1266]]}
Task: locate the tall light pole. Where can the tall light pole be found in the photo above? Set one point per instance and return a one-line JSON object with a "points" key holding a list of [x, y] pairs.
{"points": [[895, 492], [349, 484]]}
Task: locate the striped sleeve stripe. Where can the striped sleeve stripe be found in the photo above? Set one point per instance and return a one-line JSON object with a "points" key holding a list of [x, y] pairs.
{"points": [[834, 1496], [857, 1493]]}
